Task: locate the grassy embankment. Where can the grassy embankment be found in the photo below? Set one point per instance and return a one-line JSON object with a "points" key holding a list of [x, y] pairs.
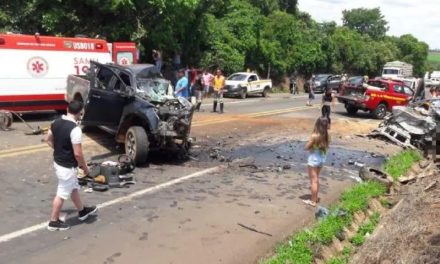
{"points": [[299, 248]]}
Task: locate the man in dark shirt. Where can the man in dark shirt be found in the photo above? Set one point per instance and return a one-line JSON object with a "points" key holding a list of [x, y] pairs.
{"points": [[64, 136]]}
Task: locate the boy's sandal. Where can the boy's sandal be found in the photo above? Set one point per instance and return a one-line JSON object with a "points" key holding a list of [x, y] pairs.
{"points": [[308, 202]]}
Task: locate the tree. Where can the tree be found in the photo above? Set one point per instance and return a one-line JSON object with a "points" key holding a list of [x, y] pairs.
{"points": [[288, 6], [370, 22], [289, 45], [413, 51]]}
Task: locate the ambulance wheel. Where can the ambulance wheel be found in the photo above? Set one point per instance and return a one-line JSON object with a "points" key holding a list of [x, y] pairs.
{"points": [[137, 145], [380, 111]]}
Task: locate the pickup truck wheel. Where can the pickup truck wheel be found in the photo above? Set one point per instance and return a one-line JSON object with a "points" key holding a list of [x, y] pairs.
{"points": [[265, 91], [380, 111], [351, 110], [136, 144], [243, 93]]}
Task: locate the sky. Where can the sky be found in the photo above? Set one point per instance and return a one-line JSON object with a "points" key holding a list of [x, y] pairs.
{"points": [[419, 18]]}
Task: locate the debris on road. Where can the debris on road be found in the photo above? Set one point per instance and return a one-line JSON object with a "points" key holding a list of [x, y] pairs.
{"points": [[372, 174], [412, 126], [430, 186], [254, 230]]}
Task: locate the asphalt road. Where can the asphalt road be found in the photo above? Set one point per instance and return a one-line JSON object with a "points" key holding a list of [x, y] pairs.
{"points": [[200, 210]]}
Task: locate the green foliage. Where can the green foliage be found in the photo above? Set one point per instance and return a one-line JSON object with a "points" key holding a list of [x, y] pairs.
{"points": [[399, 164], [264, 35], [366, 21], [357, 198], [358, 240], [366, 228], [296, 251], [328, 228], [299, 248]]}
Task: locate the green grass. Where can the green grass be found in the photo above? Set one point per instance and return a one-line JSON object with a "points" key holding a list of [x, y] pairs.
{"points": [[399, 164], [299, 249], [366, 228], [358, 196], [279, 89], [434, 57], [343, 259]]}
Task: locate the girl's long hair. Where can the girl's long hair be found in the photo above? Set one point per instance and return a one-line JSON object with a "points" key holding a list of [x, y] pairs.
{"points": [[322, 139]]}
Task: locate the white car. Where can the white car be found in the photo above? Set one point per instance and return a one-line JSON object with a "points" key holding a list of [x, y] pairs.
{"points": [[244, 83]]}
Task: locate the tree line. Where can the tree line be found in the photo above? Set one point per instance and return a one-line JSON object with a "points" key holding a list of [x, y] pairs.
{"points": [[263, 35]]}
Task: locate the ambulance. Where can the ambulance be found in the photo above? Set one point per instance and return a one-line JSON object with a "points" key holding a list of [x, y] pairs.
{"points": [[34, 68]]}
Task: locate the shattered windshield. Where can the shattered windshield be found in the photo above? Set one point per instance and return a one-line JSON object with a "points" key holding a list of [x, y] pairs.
{"points": [[155, 89]]}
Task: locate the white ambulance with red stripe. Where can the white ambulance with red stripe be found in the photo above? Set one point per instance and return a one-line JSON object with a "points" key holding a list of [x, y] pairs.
{"points": [[34, 68]]}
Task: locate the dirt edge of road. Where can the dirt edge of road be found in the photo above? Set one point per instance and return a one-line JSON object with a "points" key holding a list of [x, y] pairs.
{"points": [[410, 232]]}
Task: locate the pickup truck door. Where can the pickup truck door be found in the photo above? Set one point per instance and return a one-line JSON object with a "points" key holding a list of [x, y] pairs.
{"points": [[253, 83], [401, 95], [105, 102]]}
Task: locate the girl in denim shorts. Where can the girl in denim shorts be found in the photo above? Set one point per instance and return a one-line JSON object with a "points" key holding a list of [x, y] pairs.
{"points": [[317, 146]]}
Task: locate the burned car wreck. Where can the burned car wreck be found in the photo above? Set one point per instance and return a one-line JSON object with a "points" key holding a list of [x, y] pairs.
{"points": [[137, 105], [413, 126]]}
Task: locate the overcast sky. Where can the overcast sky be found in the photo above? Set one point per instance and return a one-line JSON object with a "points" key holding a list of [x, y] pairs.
{"points": [[419, 18]]}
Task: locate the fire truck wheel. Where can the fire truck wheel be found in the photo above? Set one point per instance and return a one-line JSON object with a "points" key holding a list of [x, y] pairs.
{"points": [[136, 144], [380, 111], [351, 110]]}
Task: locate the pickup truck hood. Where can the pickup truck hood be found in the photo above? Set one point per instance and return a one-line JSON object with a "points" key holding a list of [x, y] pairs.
{"points": [[234, 83]]}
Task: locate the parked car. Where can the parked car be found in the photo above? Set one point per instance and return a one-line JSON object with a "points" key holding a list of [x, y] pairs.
{"points": [[376, 96], [136, 104], [243, 83], [323, 81], [355, 82]]}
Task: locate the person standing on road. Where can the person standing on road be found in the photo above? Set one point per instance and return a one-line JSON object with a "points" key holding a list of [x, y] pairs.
{"points": [[182, 85], [311, 93], [207, 82], [219, 85], [198, 87], [157, 57], [317, 146], [328, 102], [64, 136]]}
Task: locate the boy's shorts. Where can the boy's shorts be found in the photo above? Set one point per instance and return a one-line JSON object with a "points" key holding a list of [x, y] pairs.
{"points": [[67, 180]]}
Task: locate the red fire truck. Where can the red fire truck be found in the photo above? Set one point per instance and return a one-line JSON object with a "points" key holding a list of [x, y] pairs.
{"points": [[34, 68]]}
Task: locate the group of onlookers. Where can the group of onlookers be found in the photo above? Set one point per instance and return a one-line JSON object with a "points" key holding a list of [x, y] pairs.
{"points": [[193, 84]]}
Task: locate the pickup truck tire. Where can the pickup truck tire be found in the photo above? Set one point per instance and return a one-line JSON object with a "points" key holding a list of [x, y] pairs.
{"points": [[136, 144], [265, 91], [380, 111], [243, 93], [351, 110]]}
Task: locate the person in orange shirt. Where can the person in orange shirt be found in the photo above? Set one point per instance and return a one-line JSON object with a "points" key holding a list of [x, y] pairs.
{"points": [[219, 85]]}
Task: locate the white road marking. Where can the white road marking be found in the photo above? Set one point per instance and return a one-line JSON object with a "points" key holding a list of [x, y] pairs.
{"points": [[31, 229]]}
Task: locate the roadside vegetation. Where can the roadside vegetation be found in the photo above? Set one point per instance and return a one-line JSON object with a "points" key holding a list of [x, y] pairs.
{"points": [[265, 36], [399, 164], [300, 248]]}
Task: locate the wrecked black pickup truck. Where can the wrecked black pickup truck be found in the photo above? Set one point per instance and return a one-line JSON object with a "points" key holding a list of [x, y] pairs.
{"points": [[136, 104]]}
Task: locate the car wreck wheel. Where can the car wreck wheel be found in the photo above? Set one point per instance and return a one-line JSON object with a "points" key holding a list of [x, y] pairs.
{"points": [[380, 111], [136, 144]]}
